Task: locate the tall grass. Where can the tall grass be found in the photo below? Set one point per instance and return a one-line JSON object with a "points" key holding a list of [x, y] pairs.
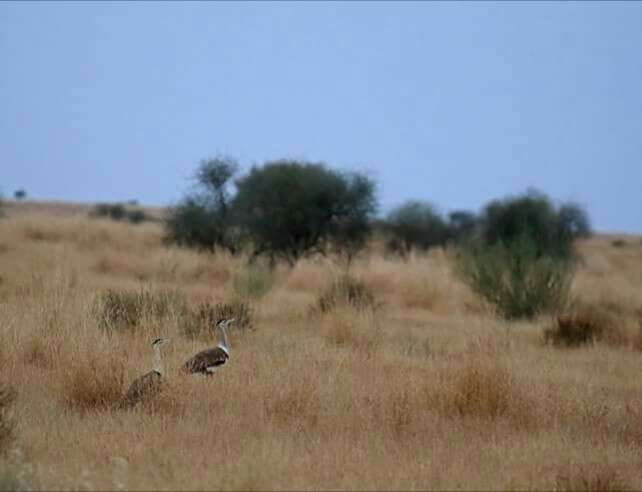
{"points": [[426, 393]]}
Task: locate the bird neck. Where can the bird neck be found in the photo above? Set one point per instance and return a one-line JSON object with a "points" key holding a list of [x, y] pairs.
{"points": [[223, 341], [158, 362]]}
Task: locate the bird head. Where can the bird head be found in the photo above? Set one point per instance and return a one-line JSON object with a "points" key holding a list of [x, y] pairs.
{"points": [[160, 341], [224, 322]]}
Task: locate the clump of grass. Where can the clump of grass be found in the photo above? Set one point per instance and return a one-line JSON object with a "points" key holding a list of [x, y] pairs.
{"points": [[7, 423], [618, 243], [204, 317], [253, 282], [119, 310], [594, 478], [488, 391], [94, 384], [582, 324], [346, 291]]}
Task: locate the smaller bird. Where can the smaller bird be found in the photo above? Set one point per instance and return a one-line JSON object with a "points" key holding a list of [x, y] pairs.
{"points": [[209, 360], [150, 383]]}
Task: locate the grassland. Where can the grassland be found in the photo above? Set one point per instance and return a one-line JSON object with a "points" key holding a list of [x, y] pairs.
{"points": [[427, 391]]}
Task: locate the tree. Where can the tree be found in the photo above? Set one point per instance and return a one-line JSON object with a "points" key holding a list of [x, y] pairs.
{"points": [[461, 224], [292, 208], [534, 215], [20, 194], [203, 219], [415, 224]]}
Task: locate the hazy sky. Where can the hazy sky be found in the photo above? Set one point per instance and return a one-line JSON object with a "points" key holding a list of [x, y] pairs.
{"points": [[456, 103]]}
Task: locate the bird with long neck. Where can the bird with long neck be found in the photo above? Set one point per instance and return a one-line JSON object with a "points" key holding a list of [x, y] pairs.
{"points": [[149, 383], [209, 360]]}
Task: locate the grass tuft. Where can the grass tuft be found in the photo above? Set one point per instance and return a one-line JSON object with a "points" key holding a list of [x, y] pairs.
{"points": [[346, 291]]}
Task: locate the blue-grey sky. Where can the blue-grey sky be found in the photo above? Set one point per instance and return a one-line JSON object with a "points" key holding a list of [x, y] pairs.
{"points": [[456, 103]]}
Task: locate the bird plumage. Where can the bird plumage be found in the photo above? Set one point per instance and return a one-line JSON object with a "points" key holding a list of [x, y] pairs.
{"points": [[149, 384], [209, 360]]}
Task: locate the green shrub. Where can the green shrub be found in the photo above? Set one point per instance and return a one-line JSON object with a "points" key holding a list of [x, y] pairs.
{"points": [[346, 291], [119, 310], [533, 215], [253, 282], [204, 317], [515, 278]]}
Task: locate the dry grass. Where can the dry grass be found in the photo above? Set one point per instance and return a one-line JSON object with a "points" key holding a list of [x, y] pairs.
{"points": [[429, 392]]}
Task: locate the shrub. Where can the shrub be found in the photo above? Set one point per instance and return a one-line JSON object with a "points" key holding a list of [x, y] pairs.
{"points": [[514, 278], [20, 194], [417, 225], [118, 212], [346, 291], [462, 225], [585, 323], [290, 209], [533, 215], [119, 310], [205, 316]]}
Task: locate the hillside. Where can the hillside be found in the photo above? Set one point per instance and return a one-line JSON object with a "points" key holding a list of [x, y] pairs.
{"points": [[425, 390]]}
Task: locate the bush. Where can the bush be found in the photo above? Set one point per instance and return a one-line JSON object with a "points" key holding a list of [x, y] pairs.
{"points": [[118, 212], [515, 278], [20, 194], [533, 215], [204, 317], [204, 219], [289, 209], [462, 225], [124, 310], [586, 323], [417, 225], [346, 291]]}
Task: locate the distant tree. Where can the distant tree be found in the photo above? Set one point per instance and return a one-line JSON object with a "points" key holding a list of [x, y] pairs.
{"points": [[204, 219], [462, 224], [415, 224], [292, 208], [20, 194]]}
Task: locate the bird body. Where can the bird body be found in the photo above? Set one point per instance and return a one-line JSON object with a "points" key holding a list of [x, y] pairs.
{"points": [[150, 383], [209, 360]]}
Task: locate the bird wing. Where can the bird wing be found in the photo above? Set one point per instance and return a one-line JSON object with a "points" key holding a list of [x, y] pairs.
{"points": [[142, 386], [206, 361]]}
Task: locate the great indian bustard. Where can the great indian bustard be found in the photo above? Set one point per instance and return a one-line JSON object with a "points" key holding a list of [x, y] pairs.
{"points": [[150, 383], [209, 360]]}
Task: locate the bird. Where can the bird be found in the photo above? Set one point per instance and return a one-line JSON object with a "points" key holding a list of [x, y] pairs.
{"points": [[209, 360], [150, 383]]}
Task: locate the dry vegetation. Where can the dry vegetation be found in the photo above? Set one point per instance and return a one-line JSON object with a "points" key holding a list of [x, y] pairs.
{"points": [[425, 391]]}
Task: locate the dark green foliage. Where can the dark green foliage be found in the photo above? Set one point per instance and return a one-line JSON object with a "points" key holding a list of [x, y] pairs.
{"points": [[202, 320], [346, 291], [291, 208], [532, 214], [462, 225], [204, 218], [119, 212], [415, 224], [119, 310], [515, 277], [20, 194]]}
